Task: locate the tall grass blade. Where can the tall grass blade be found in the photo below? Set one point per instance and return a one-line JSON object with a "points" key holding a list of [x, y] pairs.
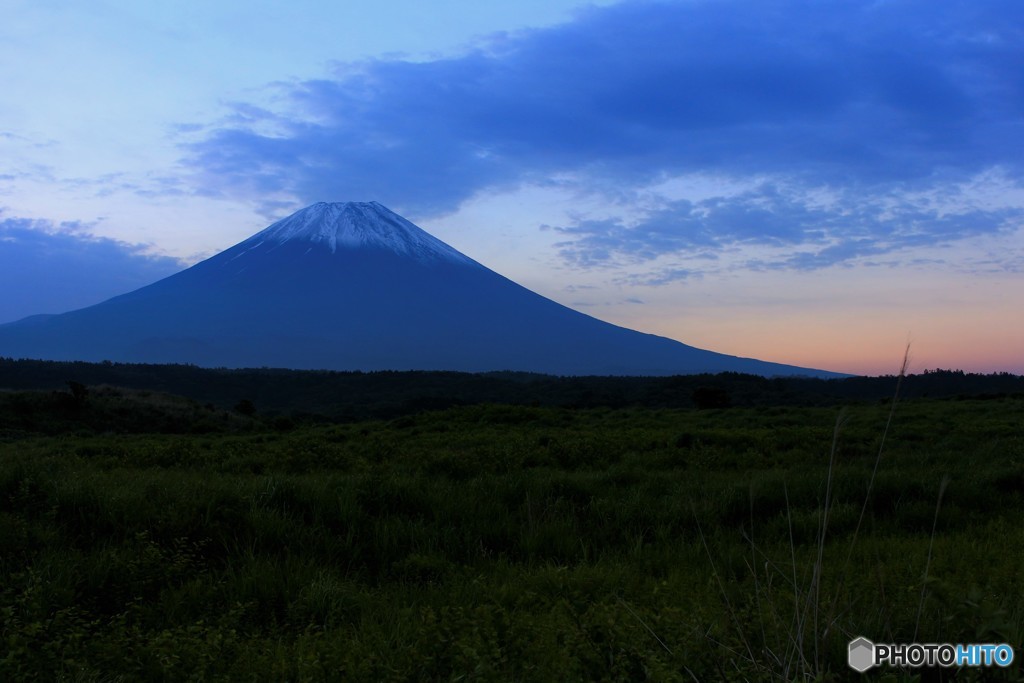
{"points": [[928, 563]]}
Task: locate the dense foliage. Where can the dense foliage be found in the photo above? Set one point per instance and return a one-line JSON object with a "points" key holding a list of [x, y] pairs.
{"points": [[499, 542]]}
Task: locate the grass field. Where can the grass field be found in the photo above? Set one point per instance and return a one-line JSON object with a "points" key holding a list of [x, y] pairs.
{"points": [[499, 543]]}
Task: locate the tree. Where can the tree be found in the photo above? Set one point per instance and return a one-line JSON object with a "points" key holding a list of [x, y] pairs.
{"points": [[711, 397], [79, 392], [246, 407]]}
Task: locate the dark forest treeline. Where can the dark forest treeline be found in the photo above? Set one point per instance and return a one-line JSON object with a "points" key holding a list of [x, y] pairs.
{"points": [[357, 395], [174, 523]]}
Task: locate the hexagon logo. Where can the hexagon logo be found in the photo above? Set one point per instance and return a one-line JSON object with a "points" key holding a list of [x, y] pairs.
{"points": [[862, 654]]}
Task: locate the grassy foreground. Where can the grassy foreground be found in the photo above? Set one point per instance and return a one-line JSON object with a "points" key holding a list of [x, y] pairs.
{"points": [[497, 543]]}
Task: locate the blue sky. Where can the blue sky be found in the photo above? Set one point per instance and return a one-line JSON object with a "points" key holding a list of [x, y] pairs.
{"points": [[803, 181]]}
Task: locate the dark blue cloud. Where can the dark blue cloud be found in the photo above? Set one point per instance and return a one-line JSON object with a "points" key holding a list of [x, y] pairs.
{"points": [[839, 92], [812, 235], [52, 268]]}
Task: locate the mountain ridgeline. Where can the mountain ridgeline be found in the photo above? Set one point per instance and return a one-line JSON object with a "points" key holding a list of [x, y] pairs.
{"points": [[354, 286]]}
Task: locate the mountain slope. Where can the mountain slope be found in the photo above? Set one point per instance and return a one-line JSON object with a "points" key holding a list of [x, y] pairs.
{"points": [[354, 286]]}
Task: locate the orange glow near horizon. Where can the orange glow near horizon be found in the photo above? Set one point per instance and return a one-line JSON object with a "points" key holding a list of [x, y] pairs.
{"points": [[969, 344], [827, 324]]}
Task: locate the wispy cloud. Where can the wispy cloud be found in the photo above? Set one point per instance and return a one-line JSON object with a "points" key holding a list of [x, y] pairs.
{"points": [[48, 267], [809, 233]]}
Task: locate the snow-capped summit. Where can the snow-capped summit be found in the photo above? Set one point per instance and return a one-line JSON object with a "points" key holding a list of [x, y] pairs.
{"points": [[354, 286], [358, 225]]}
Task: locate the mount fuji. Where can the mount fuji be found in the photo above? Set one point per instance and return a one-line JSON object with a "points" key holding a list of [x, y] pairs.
{"points": [[354, 286]]}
